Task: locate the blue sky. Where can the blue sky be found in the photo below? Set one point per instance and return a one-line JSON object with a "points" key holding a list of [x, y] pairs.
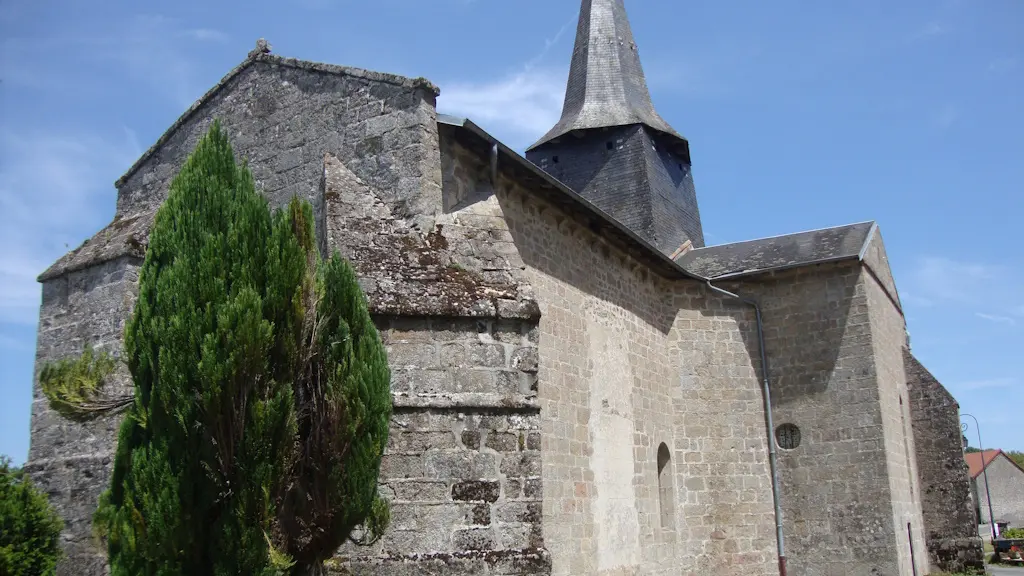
{"points": [[800, 115]]}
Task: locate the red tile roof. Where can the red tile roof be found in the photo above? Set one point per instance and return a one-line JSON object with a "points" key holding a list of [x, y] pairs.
{"points": [[975, 460]]}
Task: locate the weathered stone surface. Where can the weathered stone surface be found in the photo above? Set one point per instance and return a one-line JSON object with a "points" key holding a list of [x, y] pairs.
{"points": [[124, 237], [486, 562], [445, 270], [950, 523], [71, 461], [445, 467], [834, 342]]}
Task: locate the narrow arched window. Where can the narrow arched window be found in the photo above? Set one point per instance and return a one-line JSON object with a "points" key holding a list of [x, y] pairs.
{"points": [[666, 491]]}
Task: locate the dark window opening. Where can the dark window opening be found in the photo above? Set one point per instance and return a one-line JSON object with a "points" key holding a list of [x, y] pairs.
{"points": [[666, 491], [788, 436], [554, 159], [609, 145]]}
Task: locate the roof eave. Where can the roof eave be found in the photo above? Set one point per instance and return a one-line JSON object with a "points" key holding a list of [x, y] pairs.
{"points": [[782, 268], [642, 251], [679, 144]]}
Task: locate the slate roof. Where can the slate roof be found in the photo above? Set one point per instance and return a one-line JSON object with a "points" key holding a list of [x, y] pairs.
{"points": [[535, 179], [780, 252], [606, 85]]}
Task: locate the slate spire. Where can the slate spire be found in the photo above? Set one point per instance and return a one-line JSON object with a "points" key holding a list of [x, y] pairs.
{"points": [[611, 146], [606, 84]]}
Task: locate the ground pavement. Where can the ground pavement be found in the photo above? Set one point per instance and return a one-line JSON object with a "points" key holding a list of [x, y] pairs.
{"points": [[1005, 571]]}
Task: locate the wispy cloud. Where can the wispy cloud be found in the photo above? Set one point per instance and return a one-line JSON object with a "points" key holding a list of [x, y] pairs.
{"points": [[930, 29], [939, 21], [912, 298], [519, 107], [998, 319], [206, 34], [946, 116], [155, 50], [55, 190], [942, 278], [986, 290], [1002, 64]]}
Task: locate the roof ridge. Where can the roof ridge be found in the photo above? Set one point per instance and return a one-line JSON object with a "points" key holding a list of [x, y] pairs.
{"points": [[258, 55], [822, 229]]}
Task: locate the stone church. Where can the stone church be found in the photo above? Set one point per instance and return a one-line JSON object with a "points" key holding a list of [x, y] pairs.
{"points": [[581, 386]]}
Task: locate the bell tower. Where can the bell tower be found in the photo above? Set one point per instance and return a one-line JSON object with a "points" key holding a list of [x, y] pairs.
{"points": [[611, 146]]}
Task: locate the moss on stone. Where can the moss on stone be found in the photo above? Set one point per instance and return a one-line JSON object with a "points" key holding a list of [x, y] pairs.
{"points": [[74, 386]]}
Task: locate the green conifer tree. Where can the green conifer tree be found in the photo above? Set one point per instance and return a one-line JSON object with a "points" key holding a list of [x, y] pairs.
{"points": [[261, 390], [29, 527]]}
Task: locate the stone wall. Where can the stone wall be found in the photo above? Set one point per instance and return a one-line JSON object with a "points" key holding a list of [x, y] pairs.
{"points": [[889, 339], [830, 363], [462, 466], [71, 461], [611, 348], [283, 115], [946, 503], [727, 521]]}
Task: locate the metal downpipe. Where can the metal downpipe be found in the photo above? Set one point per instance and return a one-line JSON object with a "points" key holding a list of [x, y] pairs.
{"points": [[769, 422]]}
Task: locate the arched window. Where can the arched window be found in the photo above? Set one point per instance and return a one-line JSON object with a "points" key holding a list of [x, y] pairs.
{"points": [[666, 491]]}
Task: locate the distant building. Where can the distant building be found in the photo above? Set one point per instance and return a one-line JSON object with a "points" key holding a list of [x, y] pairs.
{"points": [[1005, 486]]}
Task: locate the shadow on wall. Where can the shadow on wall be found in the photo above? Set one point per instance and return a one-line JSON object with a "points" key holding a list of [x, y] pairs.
{"points": [[825, 398], [550, 241], [805, 322]]}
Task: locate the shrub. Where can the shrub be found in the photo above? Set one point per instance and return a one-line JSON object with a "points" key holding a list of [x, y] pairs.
{"points": [[29, 527], [1013, 533], [261, 390]]}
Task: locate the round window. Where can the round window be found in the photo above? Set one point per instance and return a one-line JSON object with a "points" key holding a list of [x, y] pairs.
{"points": [[788, 436]]}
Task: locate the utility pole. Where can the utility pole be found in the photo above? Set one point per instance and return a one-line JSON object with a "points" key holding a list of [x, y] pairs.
{"points": [[984, 472]]}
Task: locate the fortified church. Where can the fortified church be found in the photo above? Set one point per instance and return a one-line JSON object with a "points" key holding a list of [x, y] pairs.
{"points": [[581, 385]]}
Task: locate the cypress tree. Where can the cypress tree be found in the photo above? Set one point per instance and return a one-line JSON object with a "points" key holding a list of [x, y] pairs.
{"points": [[261, 390]]}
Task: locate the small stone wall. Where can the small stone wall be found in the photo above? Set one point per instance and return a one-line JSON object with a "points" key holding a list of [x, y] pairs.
{"points": [[462, 468], [950, 530]]}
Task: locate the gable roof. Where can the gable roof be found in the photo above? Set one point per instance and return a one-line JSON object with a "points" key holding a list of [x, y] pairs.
{"points": [[978, 461], [259, 55], [776, 253]]}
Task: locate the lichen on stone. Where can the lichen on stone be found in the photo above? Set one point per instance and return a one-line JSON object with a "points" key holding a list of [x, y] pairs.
{"points": [[74, 386]]}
